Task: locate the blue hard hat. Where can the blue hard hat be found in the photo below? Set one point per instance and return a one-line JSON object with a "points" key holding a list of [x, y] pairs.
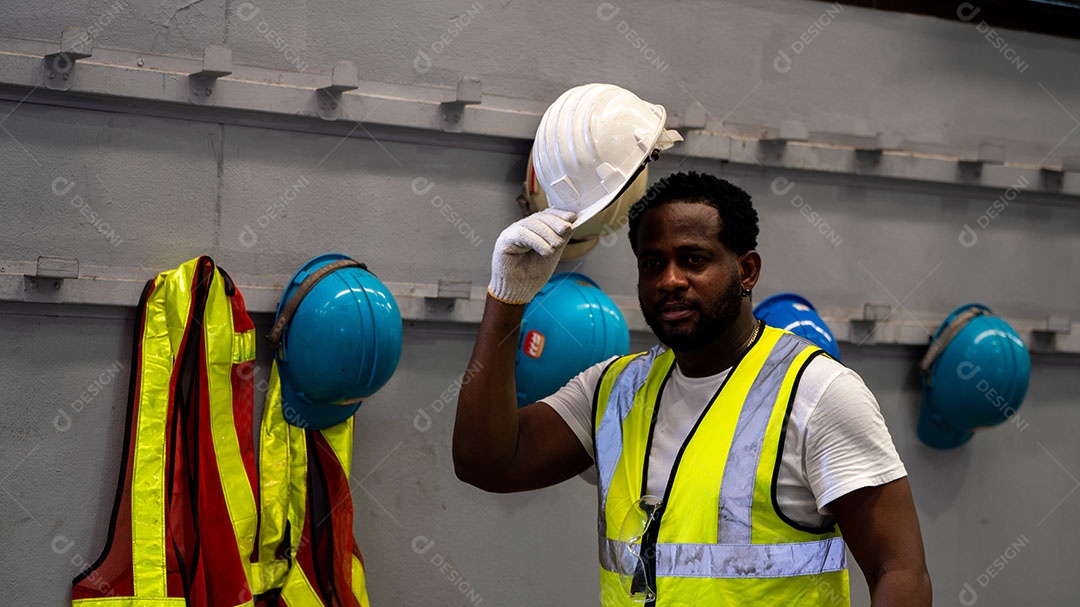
{"points": [[337, 340], [974, 375], [792, 312], [569, 326]]}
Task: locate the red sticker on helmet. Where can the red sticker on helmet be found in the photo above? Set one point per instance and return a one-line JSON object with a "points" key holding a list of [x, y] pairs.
{"points": [[534, 344]]}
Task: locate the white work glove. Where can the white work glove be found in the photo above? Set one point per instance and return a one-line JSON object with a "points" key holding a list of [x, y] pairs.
{"points": [[526, 253]]}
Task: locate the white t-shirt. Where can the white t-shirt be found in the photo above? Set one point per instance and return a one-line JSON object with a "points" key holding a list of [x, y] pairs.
{"points": [[836, 439]]}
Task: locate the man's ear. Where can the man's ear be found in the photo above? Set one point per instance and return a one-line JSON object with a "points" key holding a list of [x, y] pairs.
{"points": [[749, 269]]}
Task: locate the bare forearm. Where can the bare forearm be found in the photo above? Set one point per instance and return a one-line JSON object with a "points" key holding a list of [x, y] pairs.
{"points": [[486, 426], [902, 587]]}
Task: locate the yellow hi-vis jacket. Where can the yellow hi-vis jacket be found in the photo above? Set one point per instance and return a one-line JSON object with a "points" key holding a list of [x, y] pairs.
{"points": [[718, 537], [307, 554], [186, 528]]}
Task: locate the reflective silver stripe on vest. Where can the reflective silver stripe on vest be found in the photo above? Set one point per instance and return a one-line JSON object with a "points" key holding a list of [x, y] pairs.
{"points": [[609, 434], [740, 471], [732, 560]]}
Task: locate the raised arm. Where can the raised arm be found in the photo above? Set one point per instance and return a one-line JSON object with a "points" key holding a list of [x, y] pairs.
{"points": [[498, 447]]}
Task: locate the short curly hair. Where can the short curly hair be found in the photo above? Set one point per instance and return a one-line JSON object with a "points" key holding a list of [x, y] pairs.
{"points": [[738, 219]]}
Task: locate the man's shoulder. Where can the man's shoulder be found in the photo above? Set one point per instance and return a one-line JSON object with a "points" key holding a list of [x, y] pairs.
{"points": [[823, 370]]}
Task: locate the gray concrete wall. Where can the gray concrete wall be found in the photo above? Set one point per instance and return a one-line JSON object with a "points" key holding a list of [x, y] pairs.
{"points": [[170, 190]]}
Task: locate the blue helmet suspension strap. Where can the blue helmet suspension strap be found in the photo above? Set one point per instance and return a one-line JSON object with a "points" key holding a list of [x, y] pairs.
{"points": [[940, 342], [274, 337]]}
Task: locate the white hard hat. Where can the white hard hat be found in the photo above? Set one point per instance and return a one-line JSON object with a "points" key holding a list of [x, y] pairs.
{"points": [[592, 142], [587, 235]]}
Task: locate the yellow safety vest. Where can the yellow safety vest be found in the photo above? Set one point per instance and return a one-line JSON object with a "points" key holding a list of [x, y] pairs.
{"points": [[307, 554], [186, 528], [719, 537]]}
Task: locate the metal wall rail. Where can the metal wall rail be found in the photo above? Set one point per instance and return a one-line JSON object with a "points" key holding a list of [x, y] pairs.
{"points": [[63, 281], [214, 89]]}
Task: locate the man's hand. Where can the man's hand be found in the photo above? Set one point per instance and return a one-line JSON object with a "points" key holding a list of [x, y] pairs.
{"points": [[526, 254]]}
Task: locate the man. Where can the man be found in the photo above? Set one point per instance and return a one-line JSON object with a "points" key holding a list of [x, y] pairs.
{"points": [[730, 459]]}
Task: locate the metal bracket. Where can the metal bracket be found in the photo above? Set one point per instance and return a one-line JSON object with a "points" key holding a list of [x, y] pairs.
{"points": [[990, 153], [695, 116], [1051, 180], [345, 77], [469, 91], [217, 62], [793, 130], [970, 169], [862, 329], [772, 147], [454, 288], [1058, 323], [867, 159], [54, 270], [59, 68], [448, 292], [1045, 339]]}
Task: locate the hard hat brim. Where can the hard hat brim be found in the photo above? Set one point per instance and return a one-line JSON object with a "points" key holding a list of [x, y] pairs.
{"points": [[780, 311], [600, 205], [299, 411], [935, 432]]}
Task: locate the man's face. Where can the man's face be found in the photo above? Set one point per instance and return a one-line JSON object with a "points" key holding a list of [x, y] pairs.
{"points": [[689, 284]]}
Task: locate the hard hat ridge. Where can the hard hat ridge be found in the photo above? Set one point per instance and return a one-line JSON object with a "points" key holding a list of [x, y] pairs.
{"points": [[975, 375], [337, 339], [591, 143]]}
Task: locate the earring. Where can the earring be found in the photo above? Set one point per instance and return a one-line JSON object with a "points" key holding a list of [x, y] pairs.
{"points": [[746, 292]]}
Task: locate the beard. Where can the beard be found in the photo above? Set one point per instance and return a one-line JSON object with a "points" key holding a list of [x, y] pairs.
{"points": [[712, 318]]}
